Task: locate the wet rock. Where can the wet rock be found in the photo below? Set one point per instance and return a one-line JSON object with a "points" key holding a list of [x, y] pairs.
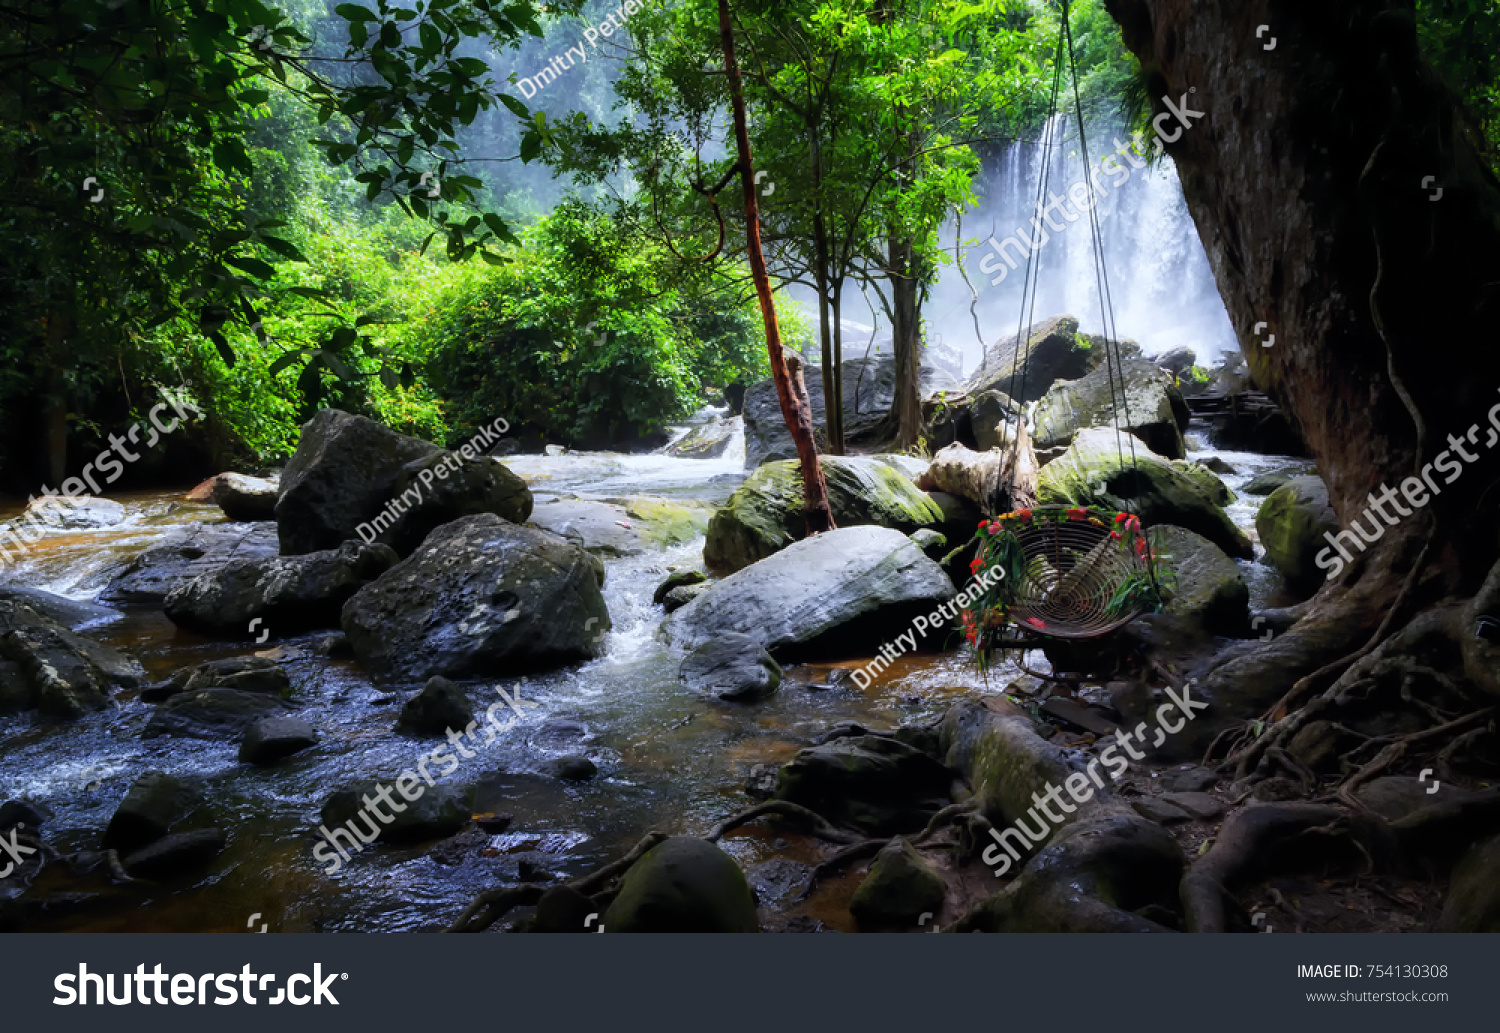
{"points": [[683, 885], [1153, 409], [563, 909], [1094, 472], [1291, 523], [1163, 812], [988, 412], [342, 475], [1210, 593], [155, 803], [1204, 476], [1473, 903], [1199, 805], [15, 691], [439, 706], [764, 514], [1052, 351], [677, 598], [1393, 797], [187, 554], [445, 486], [481, 596], [246, 673], [175, 855], [839, 593], [933, 545], [731, 667], [1191, 780], [244, 498], [280, 594], [212, 714], [21, 812], [875, 784], [706, 441], [677, 579], [869, 388], [275, 738], [902, 886], [574, 768], [1265, 483], [70, 613], [1218, 465], [1178, 360], [75, 513], [760, 783], [57, 671], [621, 529], [439, 812]]}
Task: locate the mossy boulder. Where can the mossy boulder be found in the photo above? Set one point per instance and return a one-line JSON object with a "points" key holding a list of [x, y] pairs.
{"points": [[1209, 590], [764, 515], [878, 785], [1207, 479], [1054, 351], [623, 527], [683, 885], [1291, 524], [1096, 471], [1151, 407], [901, 888]]}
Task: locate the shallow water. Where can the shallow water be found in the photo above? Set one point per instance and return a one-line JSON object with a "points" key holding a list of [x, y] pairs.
{"points": [[667, 760]]}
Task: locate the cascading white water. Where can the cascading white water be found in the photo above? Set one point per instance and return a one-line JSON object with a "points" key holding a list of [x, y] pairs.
{"points": [[1160, 287]]}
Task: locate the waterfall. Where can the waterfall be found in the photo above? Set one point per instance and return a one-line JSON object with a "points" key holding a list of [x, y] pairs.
{"points": [[1160, 287]]}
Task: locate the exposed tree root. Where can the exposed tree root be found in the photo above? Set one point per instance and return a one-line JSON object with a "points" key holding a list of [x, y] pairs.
{"points": [[492, 905], [833, 865], [812, 822], [1243, 842], [947, 816]]}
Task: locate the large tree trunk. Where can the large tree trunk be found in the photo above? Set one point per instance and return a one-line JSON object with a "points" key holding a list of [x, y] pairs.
{"points": [[797, 413], [1307, 177], [906, 328]]}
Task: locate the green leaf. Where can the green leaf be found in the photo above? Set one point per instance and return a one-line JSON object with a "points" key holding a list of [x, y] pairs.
{"points": [[517, 108], [254, 266], [354, 13], [286, 249], [225, 352], [284, 361]]}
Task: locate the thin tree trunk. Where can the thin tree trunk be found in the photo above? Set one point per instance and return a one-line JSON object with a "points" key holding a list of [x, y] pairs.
{"points": [[833, 419], [798, 417], [905, 326]]}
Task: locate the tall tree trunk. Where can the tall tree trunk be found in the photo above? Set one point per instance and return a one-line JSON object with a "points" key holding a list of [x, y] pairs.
{"points": [[906, 327], [1311, 176], [798, 415], [59, 329]]}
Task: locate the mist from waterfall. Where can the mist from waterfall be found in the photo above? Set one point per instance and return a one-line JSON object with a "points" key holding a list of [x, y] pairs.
{"points": [[1161, 290]]}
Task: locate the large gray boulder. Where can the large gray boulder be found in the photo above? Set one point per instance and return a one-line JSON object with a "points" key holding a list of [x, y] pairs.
{"points": [[343, 474], [1209, 594], [55, 670], [879, 785], [442, 487], [245, 498], [1054, 350], [188, 554], [838, 594], [1099, 470], [627, 528], [1150, 406], [68, 612], [732, 667], [1291, 523], [683, 885], [286, 593], [765, 513], [156, 802], [213, 713], [869, 387], [480, 597]]}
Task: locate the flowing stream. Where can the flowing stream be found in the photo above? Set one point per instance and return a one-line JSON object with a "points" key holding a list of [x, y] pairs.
{"points": [[667, 760]]}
